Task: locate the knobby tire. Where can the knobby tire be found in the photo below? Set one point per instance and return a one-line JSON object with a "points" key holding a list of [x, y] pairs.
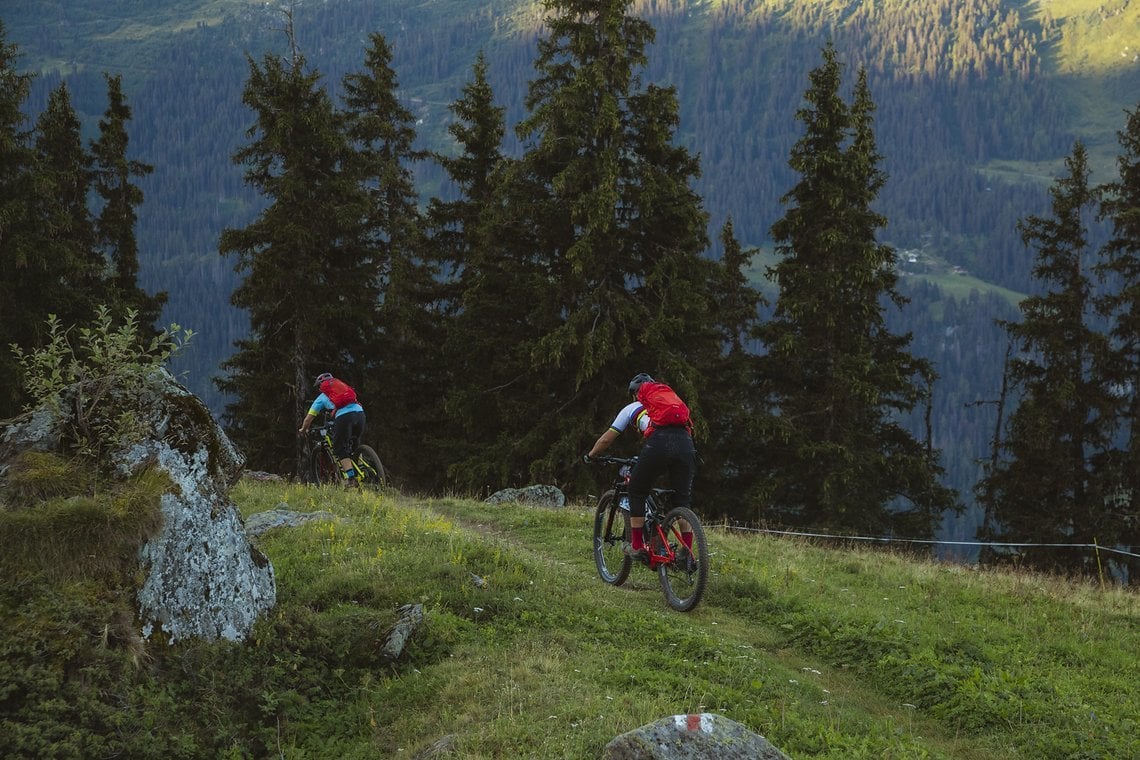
{"points": [[372, 471], [611, 533], [326, 469], [683, 582]]}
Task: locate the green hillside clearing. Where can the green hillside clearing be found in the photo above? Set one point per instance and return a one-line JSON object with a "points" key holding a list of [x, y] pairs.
{"points": [[525, 653]]}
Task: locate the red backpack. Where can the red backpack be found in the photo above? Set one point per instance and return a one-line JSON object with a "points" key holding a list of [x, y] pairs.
{"points": [[339, 392], [664, 407]]}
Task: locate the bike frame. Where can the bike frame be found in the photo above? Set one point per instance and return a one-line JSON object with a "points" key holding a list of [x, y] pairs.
{"points": [[658, 499], [320, 437], [681, 567]]}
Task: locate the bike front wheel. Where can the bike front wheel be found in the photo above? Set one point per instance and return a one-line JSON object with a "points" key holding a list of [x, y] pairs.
{"points": [[683, 580], [611, 532], [371, 469], [326, 470]]}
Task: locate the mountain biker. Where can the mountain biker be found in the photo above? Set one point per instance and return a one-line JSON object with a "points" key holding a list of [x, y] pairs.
{"points": [[668, 450], [348, 420]]}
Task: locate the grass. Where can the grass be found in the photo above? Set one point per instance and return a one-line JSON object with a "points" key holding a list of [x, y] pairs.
{"points": [[1096, 35], [938, 273], [830, 653], [960, 286]]}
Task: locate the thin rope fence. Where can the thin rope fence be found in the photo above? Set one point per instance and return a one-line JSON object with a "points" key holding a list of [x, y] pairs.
{"points": [[894, 540]]}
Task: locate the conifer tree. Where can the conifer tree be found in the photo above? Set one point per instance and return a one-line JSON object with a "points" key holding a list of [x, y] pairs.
{"points": [[78, 271], [120, 197], [491, 281], [308, 278], [734, 408], [52, 253], [1049, 486], [617, 233], [454, 225], [839, 457], [405, 371], [1121, 266], [18, 249]]}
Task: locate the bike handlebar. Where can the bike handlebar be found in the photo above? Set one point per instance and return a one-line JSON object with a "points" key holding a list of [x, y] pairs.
{"points": [[607, 459]]}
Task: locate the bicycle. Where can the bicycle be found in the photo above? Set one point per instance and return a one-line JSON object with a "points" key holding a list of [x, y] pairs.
{"points": [[683, 572], [326, 464]]}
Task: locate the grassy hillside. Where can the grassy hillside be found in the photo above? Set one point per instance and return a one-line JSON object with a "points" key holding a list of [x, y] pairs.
{"points": [[829, 652]]}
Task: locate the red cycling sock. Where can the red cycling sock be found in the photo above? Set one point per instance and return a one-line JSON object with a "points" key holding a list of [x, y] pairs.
{"points": [[637, 539], [687, 540]]}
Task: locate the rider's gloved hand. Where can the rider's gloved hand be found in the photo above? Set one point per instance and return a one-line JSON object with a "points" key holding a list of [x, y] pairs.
{"points": [[587, 458]]}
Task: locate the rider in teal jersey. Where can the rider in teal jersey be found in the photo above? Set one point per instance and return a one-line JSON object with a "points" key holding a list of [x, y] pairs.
{"points": [[348, 423]]}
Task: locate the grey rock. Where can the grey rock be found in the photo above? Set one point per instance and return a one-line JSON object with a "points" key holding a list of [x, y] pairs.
{"points": [[411, 616], [202, 577], [283, 517], [536, 495], [704, 736], [37, 430], [439, 748], [263, 476], [205, 580]]}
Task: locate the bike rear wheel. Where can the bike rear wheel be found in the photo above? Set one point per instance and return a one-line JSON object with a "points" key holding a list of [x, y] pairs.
{"points": [[326, 470], [611, 532], [683, 580], [371, 470]]}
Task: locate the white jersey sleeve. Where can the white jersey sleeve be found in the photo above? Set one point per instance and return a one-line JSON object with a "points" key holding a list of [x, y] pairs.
{"points": [[631, 414]]}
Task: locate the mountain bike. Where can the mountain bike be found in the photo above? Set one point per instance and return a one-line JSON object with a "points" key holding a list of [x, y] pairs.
{"points": [[682, 571], [326, 465]]}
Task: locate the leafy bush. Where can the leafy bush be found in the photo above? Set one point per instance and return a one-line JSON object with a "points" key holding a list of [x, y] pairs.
{"points": [[104, 357]]}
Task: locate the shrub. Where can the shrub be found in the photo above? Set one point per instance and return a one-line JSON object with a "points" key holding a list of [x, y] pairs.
{"points": [[105, 357]]}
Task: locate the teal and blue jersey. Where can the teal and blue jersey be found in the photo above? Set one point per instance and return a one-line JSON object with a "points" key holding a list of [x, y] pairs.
{"points": [[322, 403]]}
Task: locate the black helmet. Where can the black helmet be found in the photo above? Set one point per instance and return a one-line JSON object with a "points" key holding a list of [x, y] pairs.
{"points": [[638, 379], [321, 378]]}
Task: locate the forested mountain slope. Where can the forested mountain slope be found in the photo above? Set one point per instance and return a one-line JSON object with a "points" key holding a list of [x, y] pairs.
{"points": [[978, 102]]}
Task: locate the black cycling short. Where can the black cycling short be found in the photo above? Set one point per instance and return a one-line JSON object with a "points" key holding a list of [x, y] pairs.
{"points": [[348, 429], [667, 451]]}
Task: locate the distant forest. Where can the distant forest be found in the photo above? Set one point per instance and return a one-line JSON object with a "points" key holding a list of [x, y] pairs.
{"points": [[971, 118]]}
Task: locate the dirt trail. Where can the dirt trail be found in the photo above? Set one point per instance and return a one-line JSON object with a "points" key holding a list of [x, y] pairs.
{"points": [[758, 645]]}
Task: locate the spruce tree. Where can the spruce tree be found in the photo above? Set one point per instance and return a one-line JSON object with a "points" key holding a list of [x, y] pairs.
{"points": [[603, 198], [52, 253], [78, 272], [307, 278], [120, 198], [489, 281], [1120, 205], [1049, 486], [18, 246], [405, 372], [839, 457], [734, 408]]}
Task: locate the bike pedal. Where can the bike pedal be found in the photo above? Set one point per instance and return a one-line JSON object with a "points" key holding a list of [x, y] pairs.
{"points": [[639, 555]]}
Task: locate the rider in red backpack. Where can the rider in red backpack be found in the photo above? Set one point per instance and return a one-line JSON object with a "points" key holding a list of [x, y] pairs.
{"points": [[664, 420], [348, 421]]}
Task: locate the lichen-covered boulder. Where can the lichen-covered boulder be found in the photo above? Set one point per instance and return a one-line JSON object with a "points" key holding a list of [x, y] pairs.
{"points": [[260, 523], [203, 578], [535, 496], [692, 737]]}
